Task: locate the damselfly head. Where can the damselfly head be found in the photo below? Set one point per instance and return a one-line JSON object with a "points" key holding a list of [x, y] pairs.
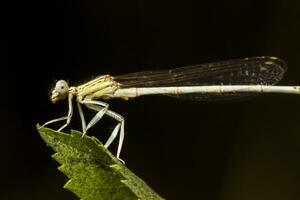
{"points": [[60, 91]]}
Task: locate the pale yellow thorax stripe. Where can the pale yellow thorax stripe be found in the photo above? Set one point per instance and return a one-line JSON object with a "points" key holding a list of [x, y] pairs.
{"points": [[100, 87]]}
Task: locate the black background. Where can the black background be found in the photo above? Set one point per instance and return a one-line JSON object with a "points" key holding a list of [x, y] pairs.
{"points": [[245, 150]]}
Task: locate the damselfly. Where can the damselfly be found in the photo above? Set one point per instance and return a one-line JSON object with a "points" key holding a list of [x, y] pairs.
{"points": [[205, 82]]}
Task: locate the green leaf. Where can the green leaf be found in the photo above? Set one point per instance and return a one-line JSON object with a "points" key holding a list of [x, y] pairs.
{"points": [[94, 173]]}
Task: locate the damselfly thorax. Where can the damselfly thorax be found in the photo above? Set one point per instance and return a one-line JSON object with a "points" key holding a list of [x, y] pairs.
{"points": [[103, 87]]}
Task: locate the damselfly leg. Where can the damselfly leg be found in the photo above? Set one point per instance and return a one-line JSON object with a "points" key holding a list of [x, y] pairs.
{"points": [[119, 128], [67, 118], [97, 117]]}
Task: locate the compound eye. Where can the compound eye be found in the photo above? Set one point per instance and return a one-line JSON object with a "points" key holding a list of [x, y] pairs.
{"points": [[62, 87]]}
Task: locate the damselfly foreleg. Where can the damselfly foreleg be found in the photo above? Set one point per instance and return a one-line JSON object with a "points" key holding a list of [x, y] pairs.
{"points": [[67, 118]]}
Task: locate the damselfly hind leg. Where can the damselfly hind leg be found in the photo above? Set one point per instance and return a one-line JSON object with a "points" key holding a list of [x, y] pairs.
{"points": [[119, 128]]}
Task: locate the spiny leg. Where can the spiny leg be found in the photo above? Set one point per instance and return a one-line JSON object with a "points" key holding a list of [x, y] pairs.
{"points": [[112, 137], [70, 113], [83, 123], [103, 108], [68, 117], [119, 128], [55, 120]]}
